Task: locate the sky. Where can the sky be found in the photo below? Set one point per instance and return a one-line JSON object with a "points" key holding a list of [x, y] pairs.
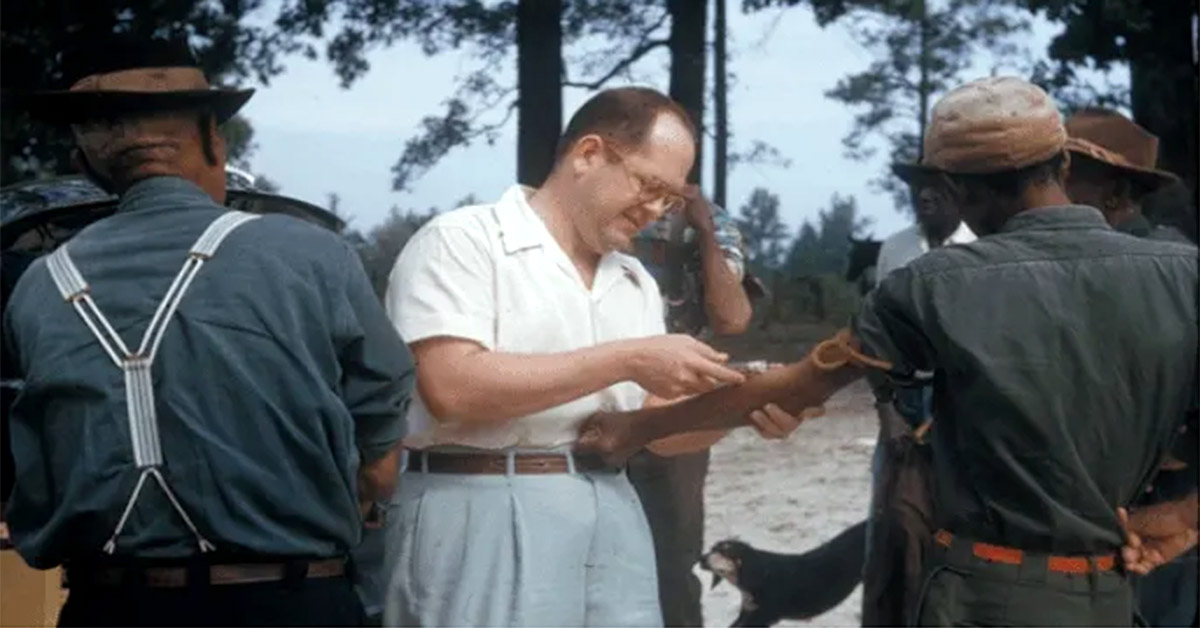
{"points": [[315, 138]]}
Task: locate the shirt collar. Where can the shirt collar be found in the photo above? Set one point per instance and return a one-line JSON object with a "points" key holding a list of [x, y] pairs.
{"points": [[1063, 217], [162, 193], [1138, 226], [961, 235], [521, 228]]}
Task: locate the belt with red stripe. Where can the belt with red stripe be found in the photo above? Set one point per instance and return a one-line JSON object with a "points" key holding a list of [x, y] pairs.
{"points": [[1012, 556]]}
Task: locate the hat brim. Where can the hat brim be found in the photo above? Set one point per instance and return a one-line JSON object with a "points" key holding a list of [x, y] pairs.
{"points": [[1150, 178], [71, 107], [908, 172]]}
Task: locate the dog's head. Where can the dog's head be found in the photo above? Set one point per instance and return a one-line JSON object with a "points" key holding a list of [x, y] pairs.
{"points": [[724, 560]]}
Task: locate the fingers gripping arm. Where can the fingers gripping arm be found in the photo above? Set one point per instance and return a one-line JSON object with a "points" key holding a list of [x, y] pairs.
{"points": [[808, 383]]}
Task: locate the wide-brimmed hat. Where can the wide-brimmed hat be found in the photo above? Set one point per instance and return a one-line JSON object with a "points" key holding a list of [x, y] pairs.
{"points": [[907, 172], [1110, 138], [991, 125], [121, 74]]}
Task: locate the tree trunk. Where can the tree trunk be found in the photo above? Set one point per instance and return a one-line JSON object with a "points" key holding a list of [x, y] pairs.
{"points": [[1163, 96], [721, 108], [923, 96], [539, 83], [688, 19]]}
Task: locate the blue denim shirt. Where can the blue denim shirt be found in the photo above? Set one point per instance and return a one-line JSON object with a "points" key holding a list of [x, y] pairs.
{"points": [[279, 370]]}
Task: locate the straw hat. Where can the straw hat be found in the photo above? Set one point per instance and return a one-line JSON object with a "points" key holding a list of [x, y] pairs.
{"points": [[122, 74], [1112, 139], [995, 124]]}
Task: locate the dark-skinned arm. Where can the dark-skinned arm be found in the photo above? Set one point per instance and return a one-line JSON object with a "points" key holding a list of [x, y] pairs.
{"points": [[617, 435]]}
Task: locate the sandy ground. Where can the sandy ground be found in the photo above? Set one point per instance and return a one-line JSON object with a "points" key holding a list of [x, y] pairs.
{"points": [[793, 495]]}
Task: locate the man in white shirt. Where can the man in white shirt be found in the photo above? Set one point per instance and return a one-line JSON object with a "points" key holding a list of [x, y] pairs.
{"points": [[525, 318], [938, 222]]}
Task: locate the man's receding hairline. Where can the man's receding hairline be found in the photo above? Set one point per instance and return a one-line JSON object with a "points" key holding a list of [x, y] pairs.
{"points": [[611, 113]]}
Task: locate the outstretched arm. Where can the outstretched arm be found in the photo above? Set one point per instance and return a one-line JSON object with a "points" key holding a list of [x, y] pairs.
{"points": [[794, 388]]}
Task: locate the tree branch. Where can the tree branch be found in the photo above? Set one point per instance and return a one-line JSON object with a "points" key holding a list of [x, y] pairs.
{"points": [[639, 52]]}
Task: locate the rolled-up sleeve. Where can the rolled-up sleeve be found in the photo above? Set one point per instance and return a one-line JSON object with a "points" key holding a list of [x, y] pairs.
{"points": [[729, 238], [889, 326], [377, 368], [443, 285]]}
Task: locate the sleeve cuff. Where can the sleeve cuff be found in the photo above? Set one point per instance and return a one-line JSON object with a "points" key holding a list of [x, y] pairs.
{"points": [[416, 328]]}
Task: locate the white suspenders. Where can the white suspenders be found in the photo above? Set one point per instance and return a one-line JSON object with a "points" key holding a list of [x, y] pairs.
{"points": [[139, 388]]}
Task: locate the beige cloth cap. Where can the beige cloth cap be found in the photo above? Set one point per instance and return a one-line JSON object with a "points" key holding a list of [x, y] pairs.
{"points": [[992, 125]]}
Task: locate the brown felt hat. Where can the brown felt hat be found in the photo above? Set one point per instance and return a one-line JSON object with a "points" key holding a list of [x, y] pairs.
{"points": [[121, 74], [995, 124], [1112, 139]]}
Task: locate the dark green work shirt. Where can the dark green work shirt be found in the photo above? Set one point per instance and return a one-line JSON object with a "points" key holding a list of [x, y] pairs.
{"points": [[1064, 359], [1141, 227], [278, 369]]}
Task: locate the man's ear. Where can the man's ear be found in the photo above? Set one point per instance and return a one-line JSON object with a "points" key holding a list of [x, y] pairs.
{"points": [[213, 142], [587, 153]]}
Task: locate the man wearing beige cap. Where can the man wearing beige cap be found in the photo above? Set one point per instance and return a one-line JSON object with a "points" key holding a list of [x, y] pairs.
{"points": [[1062, 357]]}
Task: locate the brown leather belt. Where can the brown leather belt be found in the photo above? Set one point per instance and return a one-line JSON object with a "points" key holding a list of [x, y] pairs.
{"points": [[497, 464], [169, 577], [1013, 556]]}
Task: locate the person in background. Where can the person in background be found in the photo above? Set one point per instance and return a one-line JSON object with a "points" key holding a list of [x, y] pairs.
{"points": [[526, 316], [1063, 359], [938, 221], [209, 394], [697, 257], [938, 224], [1113, 167]]}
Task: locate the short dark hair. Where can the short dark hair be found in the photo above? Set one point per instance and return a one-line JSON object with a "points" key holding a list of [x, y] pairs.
{"points": [[1009, 184], [623, 115]]}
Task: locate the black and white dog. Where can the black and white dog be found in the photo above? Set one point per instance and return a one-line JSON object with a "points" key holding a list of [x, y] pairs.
{"points": [[789, 586]]}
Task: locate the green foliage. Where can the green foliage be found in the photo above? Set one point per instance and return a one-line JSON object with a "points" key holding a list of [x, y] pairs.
{"points": [[480, 105], [1101, 35], [33, 33], [921, 50], [805, 283], [436, 25], [825, 248], [762, 229], [381, 245], [239, 141]]}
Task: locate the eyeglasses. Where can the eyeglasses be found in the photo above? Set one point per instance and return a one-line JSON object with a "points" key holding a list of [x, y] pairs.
{"points": [[651, 189]]}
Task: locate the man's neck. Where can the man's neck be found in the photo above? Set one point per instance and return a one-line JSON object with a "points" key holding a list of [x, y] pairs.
{"points": [[554, 207], [211, 180], [936, 235]]}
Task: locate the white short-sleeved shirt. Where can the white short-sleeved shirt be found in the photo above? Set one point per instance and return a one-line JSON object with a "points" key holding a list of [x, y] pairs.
{"points": [[495, 275], [908, 244]]}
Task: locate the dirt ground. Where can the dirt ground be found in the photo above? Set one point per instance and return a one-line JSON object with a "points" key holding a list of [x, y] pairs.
{"points": [[793, 495]]}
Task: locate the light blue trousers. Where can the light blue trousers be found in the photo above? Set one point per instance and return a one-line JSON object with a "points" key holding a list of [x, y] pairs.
{"points": [[570, 549]]}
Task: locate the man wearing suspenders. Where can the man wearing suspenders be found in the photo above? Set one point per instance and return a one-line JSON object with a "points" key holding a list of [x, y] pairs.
{"points": [[209, 394]]}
